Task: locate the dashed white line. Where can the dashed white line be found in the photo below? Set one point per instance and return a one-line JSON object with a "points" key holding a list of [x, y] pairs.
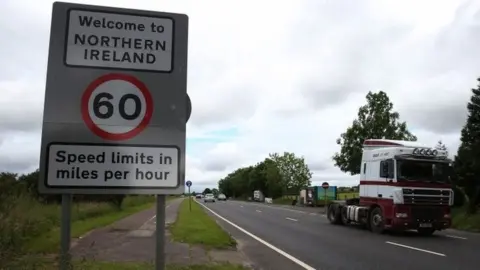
{"points": [[417, 249], [279, 251], [312, 214], [241, 205], [292, 219], [258, 211], [456, 237]]}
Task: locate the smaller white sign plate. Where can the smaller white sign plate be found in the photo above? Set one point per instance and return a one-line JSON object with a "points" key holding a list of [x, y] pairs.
{"points": [[119, 41], [83, 166]]}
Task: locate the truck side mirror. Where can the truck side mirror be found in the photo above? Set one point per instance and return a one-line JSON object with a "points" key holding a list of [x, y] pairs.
{"points": [[390, 169], [383, 169]]}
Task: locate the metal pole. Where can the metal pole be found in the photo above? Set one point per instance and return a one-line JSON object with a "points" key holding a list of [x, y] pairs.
{"points": [[65, 232], [189, 199], [160, 234]]}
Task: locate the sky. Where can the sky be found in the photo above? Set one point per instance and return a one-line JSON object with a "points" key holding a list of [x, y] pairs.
{"points": [[273, 76]]}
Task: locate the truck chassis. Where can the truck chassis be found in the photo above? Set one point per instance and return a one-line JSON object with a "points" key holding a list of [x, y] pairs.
{"points": [[349, 212]]}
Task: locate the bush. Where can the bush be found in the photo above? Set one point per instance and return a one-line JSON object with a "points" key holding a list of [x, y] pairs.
{"points": [[458, 197]]}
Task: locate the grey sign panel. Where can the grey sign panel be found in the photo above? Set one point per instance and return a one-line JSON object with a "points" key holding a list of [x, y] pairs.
{"points": [[115, 112]]}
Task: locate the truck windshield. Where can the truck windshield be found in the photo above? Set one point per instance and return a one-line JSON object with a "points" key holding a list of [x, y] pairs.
{"points": [[414, 170]]}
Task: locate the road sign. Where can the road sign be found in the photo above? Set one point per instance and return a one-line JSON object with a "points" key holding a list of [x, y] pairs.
{"points": [[115, 106], [189, 183], [325, 185]]}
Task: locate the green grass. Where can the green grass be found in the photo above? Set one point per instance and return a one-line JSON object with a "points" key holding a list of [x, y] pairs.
{"points": [[462, 221], [27, 226], [197, 227], [49, 242], [35, 262]]}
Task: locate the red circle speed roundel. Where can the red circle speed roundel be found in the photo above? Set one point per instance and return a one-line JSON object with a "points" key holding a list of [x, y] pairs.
{"points": [[116, 106]]}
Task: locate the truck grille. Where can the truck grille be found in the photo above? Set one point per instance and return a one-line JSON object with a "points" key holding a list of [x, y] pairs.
{"points": [[426, 196]]}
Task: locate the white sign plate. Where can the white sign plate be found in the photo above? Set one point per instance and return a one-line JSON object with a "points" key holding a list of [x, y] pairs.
{"points": [[75, 165], [98, 39]]}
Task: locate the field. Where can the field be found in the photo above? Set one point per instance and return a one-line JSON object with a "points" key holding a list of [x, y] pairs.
{"points": [[287, 199]]}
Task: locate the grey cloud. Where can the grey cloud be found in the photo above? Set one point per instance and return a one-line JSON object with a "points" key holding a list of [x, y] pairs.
{"points": [[233, 105], [216, 165], [445, 119], [22, 165]]}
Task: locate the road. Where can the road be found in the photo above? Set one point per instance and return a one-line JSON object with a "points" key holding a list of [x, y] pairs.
{"points": [[305, 238]]}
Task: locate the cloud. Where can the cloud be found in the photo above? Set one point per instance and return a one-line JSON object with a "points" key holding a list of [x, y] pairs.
{"points": [[274, 76]]}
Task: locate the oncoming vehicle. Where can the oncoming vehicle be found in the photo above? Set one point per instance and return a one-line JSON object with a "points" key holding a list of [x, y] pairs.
{"points": [[209, 198], [222, 197], [198, 196], [403, 186]]}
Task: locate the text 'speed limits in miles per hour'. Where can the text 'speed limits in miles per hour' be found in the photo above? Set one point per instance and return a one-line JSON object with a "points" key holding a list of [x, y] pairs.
{"points": [[71, 165]]}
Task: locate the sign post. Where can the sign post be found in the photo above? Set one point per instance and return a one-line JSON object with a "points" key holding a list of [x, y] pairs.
{"points": [[115, 111], [189, 184], [325, 186]]}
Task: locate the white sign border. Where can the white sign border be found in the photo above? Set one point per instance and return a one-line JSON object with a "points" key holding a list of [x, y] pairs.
{"points": [[118, 188], [67, 27]]}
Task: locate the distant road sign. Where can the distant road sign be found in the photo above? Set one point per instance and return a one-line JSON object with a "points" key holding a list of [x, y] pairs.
{"points": [[189, 183], [115, 106], [325, 185]]}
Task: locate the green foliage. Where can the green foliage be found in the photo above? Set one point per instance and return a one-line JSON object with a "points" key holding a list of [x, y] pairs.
{"points": [[375, 120], [440, 146], [273, 176], [26, 215], [467, 160], [207, 190]]}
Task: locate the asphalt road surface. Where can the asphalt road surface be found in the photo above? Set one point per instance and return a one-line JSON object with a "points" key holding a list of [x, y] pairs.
{"points": [[304, 238]]}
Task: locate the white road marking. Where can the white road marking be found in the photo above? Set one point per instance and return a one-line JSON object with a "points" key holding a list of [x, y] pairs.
{"points": [[417, 249], [281, 252], [292, 219], [456, 237], [258, 211], [241, 205]]}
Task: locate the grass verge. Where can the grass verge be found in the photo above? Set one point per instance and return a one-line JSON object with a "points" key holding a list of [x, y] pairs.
{"points": [[197, 227], [462, 221], [49, 241], [34, 263]]}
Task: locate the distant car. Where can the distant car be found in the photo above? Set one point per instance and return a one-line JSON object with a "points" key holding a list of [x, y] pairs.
{"points": [[198, 196], [209, 198], [222, 197]]}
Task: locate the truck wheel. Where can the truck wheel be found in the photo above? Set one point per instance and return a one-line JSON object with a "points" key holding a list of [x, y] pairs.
{"points": [[344, 216], [334, 215], [425, 231], [377, 223]]}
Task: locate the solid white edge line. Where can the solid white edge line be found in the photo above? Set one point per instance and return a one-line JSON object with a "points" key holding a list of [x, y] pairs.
{"points": [[456, 237], [414, 248], [292, 219], [281, 252]]}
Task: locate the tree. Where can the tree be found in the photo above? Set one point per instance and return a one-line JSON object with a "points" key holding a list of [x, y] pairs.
{"points": [[440, 145], [207, 190], [376, 120], [215, 191], [467, 160], [293, 170]]}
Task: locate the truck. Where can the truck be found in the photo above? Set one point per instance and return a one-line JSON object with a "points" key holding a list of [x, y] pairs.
{"points": [[258, 196], [315, 195], [403, 186]]}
